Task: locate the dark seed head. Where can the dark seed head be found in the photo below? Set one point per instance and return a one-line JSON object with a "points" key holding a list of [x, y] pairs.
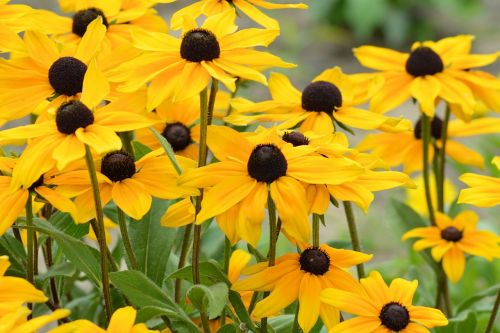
{"points": [[313, 260], [424, 61], [321, 96], [394, 316], [266, 163], [84, 17], [199, 45], [436, 128], [295, 138], [178, 135], [118, 165], [73, 115], [451, 234], [66, 76]]}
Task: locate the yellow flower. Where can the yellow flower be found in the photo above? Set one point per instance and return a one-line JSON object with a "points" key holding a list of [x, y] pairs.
{"points": [[406, 148], [17, 320], [13, 19], [130, 184], [181, 68], [14, 196], [303, 277], [383, 309], [45, 72], [431, 70], [249, 7], [249, 167], [484, 191], [331, 97], [415, 198], [122, 321], [451, 239]]}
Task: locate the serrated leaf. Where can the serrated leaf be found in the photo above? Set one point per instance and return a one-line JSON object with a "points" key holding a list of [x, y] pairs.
{"points": [[212, 298], [210, 273]]}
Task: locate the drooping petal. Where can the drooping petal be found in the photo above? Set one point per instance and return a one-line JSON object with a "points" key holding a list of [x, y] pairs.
{"points": [[179, 214], [381, 58], [95, 86], [309, 303], [100, 138], [131, 196], [454, 263], [427, 316]]}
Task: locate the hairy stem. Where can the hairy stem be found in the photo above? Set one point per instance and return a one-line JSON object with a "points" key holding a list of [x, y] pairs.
{"points": [[426, 137], [442, 161], [353, 232], [126, 240]]}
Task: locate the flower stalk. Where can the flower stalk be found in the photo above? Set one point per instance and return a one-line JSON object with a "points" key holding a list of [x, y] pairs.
{"points": [[442, 161], [126, 239], [426, 136], [353, 232], [100, 232], [315, 230], [494, 311], [30, 271]]}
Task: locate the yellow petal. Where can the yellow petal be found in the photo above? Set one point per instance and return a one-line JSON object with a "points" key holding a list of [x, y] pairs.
{"points": [[381, 58], [132, 198], [427, 316], [309, 303], [100, 138], [454, 264], [349, 302], [122, 320], [95, 86], [179, 214], [425, 90], [41, 48], [90, 43]]}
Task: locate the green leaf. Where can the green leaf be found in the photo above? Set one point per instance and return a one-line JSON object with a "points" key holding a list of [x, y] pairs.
{"points": [[61, 269], [64, 223], [228, 328], [212, 298], [468, 325], [142, 292], [83, 256], [210, 273], [467, 303], [149, 312], [240, 309], [12, 248], [168, 149], [282, 324], [152, 243], [140, 149]]}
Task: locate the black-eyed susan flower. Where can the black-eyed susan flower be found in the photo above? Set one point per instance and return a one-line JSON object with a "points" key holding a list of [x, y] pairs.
{"points": [[122, 321], [130, 184], [18, 321], [430, 71], [406, 148], [13, 197], [358, 190], [181, 68], [249, 7], [250, 168], [303, 277], [61, 139], [45, 72], [451, 239], [383, 309], [415, 197], [331, 97], [484, 191]]}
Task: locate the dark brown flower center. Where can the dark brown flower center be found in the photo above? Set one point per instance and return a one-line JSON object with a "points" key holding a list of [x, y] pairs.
{"points": [[436, 128], [295, 138], [451, 234], [66, 76], [73, 115], [394, 316], [315, 261], [266, 163], [178, 135], [424, 61], [118, 165], [321, 96], [199, 45], [84, 17]]}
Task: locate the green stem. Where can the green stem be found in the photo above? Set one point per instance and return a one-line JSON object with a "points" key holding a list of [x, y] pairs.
{"points": [[491, 321], [228, 249], [426, 136], [49, 263], [353, 232], [315, 230], [186, 245], [127, 138], [30, 271], [126, 240], [296, 327], [446, 296], [103, 249], [271, 255], [442, 160], [233, 94]]}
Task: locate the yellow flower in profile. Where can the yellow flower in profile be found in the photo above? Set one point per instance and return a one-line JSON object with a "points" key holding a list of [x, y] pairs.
{"points": [[130, 184], [382, 308], [249, 7], [181, 68], [452, 239], [430, 71], [122, 321], [250, 168], [415, 198], [406, 148], [16, 321], [303, 277], [45, 72], [484, 191], [331, 97]]}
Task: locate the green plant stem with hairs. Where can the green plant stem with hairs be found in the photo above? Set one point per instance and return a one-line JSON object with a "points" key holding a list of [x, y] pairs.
{"points": [[353, 232], [315, 230], [30, 244], [126, 239], [426, 141], [100, 232]]}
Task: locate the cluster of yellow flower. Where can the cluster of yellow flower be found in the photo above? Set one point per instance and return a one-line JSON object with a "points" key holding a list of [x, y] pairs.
{"points": [[122, 112]]}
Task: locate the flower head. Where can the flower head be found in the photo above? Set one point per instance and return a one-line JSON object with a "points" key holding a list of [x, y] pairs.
{"points": [[382, 308], [451, 239], [303, 277]]}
